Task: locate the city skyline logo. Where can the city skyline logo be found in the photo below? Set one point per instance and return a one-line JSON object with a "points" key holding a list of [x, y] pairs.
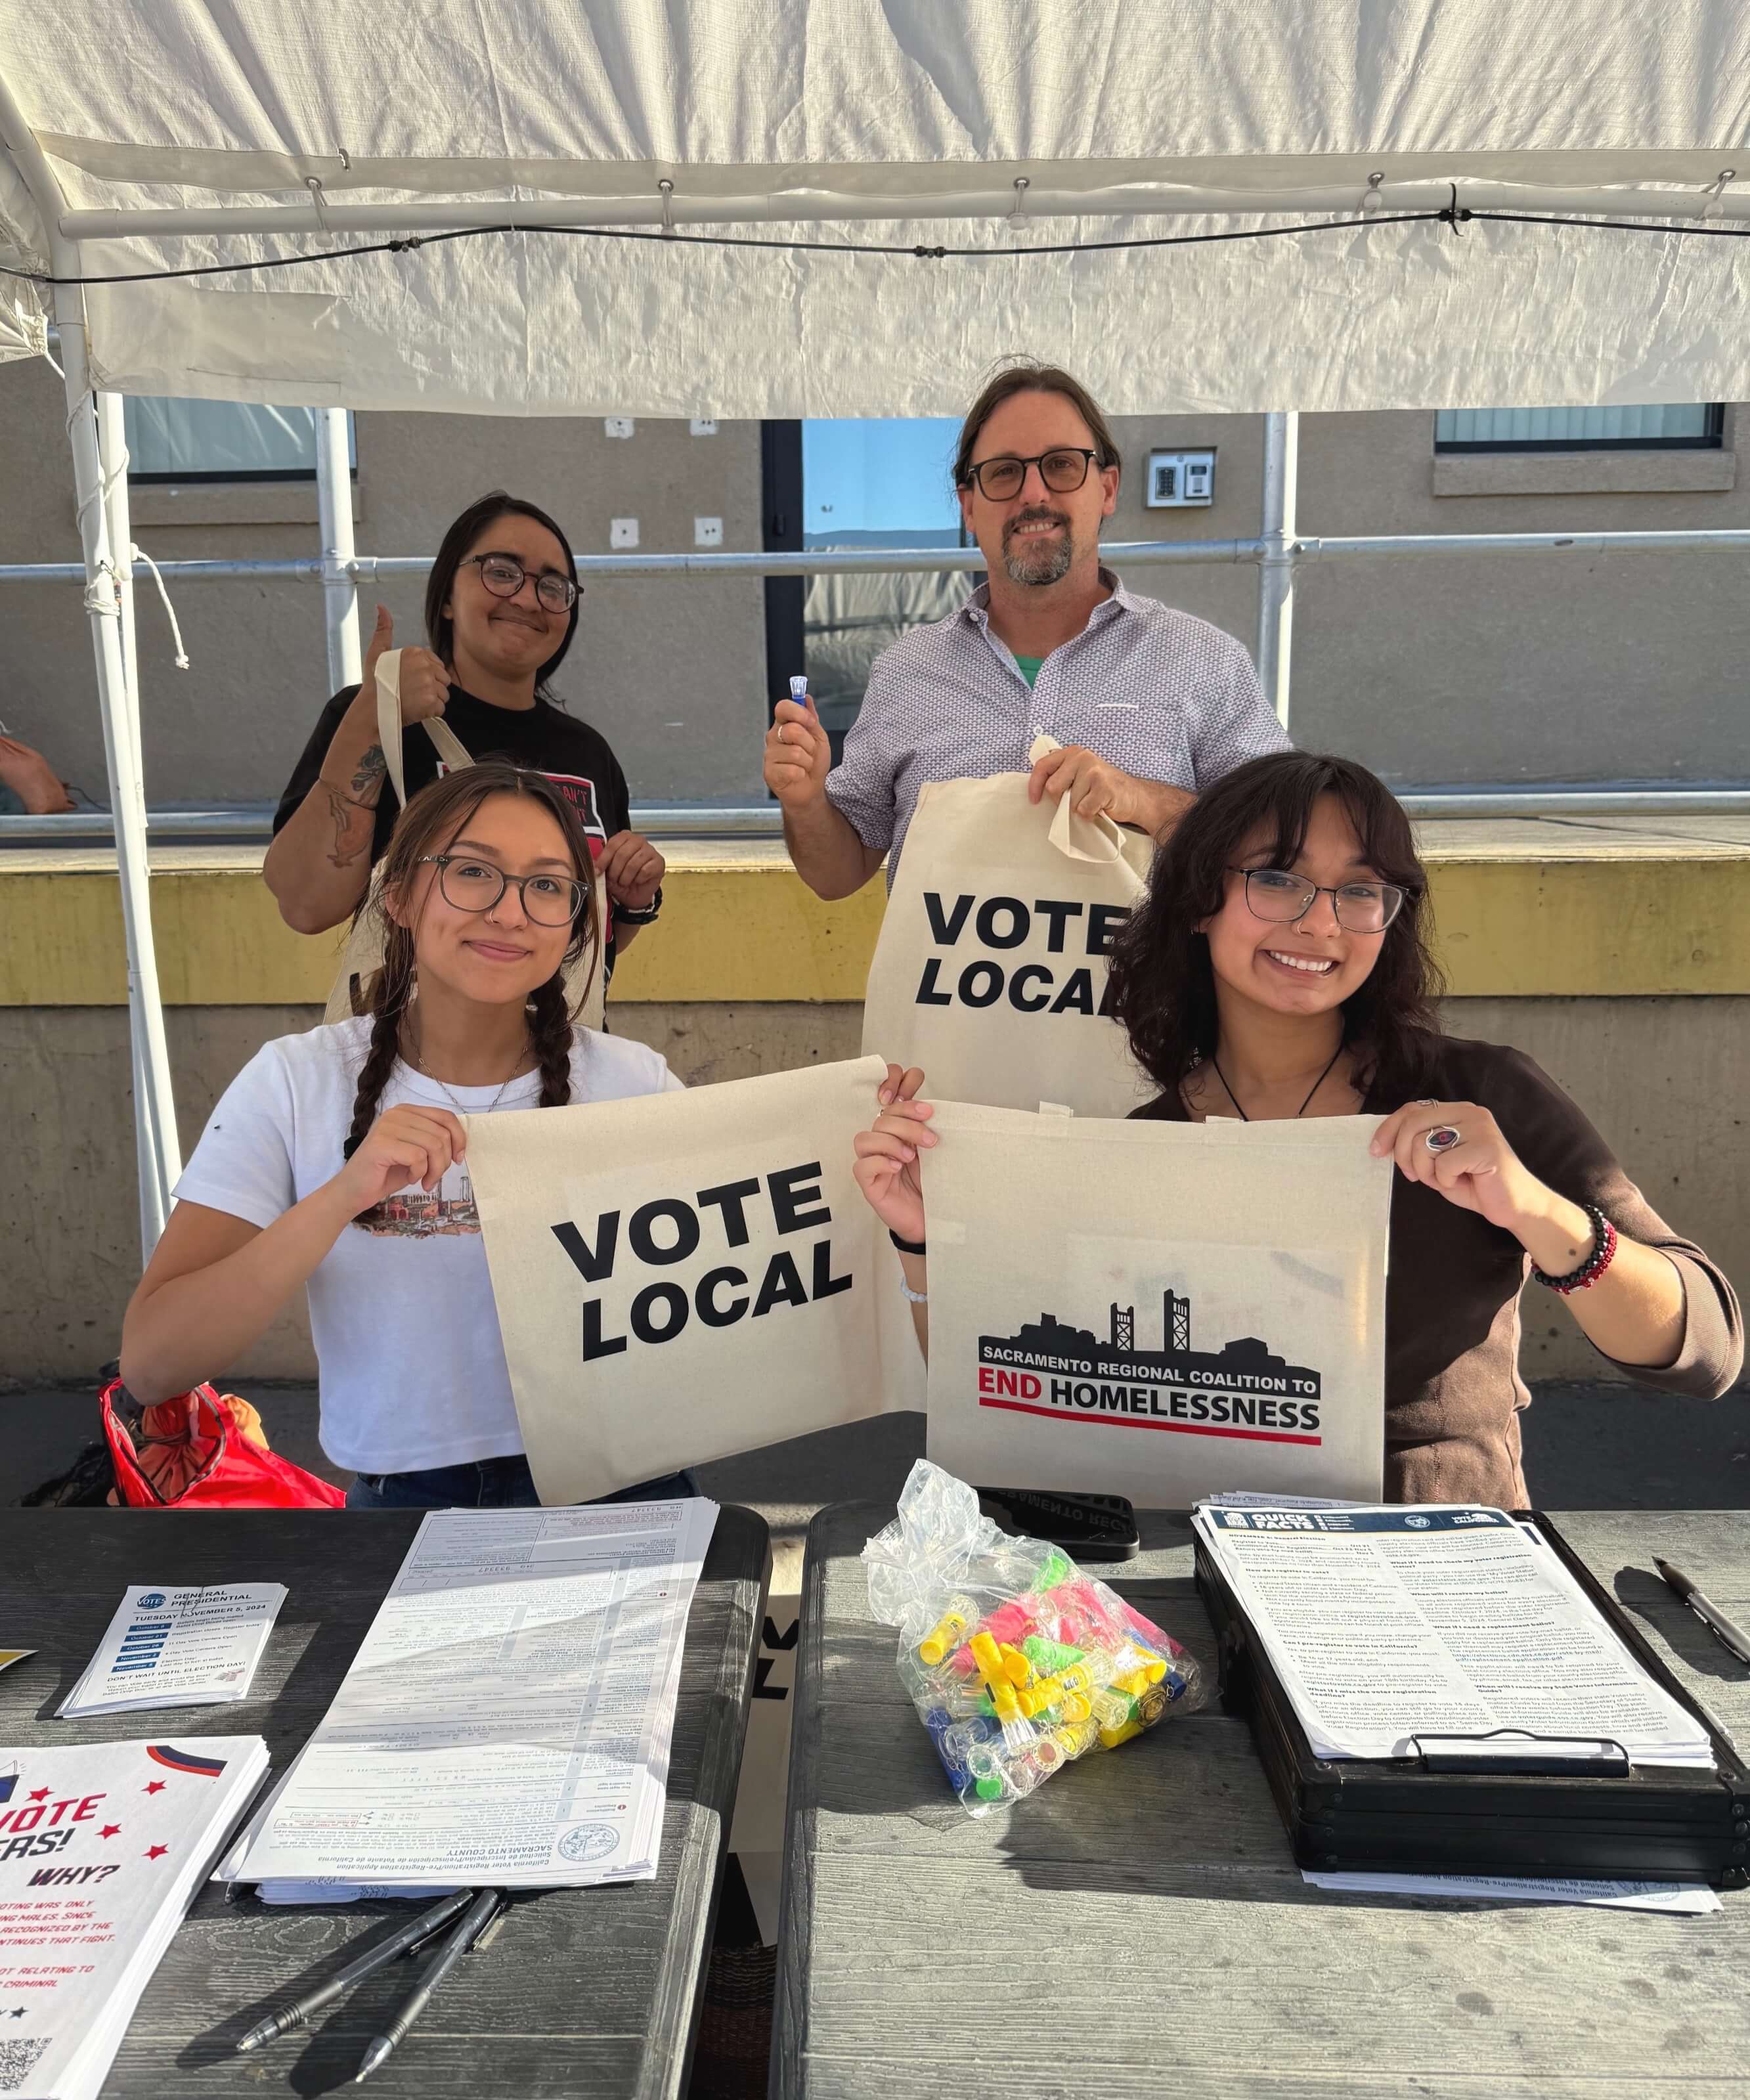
{"points": [[1245, 1389], [447, 1211]]}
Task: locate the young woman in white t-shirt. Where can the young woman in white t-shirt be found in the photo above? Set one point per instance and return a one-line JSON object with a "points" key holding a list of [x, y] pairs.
{"points": [[336, 1160]]}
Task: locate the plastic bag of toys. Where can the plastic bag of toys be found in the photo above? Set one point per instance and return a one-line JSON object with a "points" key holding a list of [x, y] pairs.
{"points": [[1017, 1662]]}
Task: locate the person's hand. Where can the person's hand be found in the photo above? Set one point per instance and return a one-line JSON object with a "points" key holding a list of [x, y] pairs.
{"points": [[32, 780], [424, 681], [632, 869], [1096, 787], [887, 1155], [406, 1143], [1481, 1172], [798, 757]]}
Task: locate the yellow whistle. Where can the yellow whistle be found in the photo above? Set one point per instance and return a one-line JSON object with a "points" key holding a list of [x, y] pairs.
{"points": [[1111, 1738], [989, 1657], [944, 1637]]}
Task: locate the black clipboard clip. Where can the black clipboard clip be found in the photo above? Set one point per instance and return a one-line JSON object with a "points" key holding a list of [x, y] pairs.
{"points": [[1518, 1750]]}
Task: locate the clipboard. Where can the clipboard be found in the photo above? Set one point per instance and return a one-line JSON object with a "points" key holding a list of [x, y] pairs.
{"points": [[1505, 1803]]}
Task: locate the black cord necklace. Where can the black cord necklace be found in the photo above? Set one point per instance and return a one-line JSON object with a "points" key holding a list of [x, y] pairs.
{"points": [[1306, 1105]]}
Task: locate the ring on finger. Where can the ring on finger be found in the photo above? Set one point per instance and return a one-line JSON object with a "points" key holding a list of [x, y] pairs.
{"points": [[1442, 1138]]}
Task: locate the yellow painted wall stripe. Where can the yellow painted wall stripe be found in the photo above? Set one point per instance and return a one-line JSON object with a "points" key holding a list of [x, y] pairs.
{"points": [[749, 930]]}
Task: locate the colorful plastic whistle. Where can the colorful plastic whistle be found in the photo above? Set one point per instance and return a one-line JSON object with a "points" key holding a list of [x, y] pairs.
{"points": [[949, 1631]]}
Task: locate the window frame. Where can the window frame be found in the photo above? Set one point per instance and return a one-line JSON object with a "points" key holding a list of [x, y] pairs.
{"points": [[1711, 439]]}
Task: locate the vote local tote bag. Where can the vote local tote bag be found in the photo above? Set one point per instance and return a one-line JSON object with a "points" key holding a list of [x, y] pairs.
{"points": [[681, 1275], [363, 955], [1157, 1310], [990, 970]]}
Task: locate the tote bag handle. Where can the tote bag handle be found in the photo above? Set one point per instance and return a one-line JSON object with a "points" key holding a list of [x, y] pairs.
{"points": [[451, 749], [1094, 838]]}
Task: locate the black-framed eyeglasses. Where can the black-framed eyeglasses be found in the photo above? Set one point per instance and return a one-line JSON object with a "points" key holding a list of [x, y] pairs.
{"points": [[504, 575], [1360, 907], [476, 885], [1063, 469]]}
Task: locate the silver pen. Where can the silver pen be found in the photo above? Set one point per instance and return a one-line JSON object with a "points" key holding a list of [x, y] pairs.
{"points": [[1729, 1636], [399, 1942], [461, 1937]]}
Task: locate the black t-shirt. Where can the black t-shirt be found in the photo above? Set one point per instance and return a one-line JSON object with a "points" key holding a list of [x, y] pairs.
{"points": [[577, 758]]}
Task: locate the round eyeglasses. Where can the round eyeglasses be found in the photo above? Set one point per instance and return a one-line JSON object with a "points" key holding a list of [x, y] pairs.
{"points": [[1063, 471], [1360, 907], [504, 575], [476, 885]]}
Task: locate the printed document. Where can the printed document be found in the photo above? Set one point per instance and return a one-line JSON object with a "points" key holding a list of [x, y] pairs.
{"points": [[1386, 1625], [1677, 1898], [177, 1647], [102, 1848], [507, 1720]]}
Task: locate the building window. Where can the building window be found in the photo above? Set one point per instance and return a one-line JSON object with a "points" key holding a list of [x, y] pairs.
{"points": [[1674, 426], [170, 439], [873, 482]]}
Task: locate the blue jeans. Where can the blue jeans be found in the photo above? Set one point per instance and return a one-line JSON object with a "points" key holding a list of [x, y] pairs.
{"points": [[488, 1484]]}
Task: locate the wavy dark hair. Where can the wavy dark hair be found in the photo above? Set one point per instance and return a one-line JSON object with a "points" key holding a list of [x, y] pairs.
{"points": [[1162, 985], [1027, 375], [453, 550], [433, 818]]}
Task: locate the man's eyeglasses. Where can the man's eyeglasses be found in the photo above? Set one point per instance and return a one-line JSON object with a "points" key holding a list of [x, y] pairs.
{"points": [[1063, 471], [505, 576], [1361, 907], [476, 885]]}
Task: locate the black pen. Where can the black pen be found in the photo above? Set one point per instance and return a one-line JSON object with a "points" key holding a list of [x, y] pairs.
{"points": [[1728, 1635], [474, 1922], [295, 2014]]}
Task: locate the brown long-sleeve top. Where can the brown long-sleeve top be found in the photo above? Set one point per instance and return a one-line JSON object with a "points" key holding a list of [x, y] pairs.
{"points": [[1452, 1385]]}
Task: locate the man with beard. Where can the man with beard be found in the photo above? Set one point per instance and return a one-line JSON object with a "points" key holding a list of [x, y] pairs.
{"points": [[1149, 705]]}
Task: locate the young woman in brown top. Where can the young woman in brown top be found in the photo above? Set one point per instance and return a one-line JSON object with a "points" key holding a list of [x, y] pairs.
{"points": [[1279, 966]]}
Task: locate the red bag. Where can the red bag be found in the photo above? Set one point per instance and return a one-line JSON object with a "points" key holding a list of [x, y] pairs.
{"points": [[194, 1455]]}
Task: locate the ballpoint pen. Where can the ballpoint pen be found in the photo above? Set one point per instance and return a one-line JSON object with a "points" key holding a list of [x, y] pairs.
{"points": [[295, 2014], [462, 1936], [1729, 1636]]}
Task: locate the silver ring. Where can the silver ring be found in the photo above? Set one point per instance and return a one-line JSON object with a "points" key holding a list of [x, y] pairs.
{"points": [[1441, 1139]]}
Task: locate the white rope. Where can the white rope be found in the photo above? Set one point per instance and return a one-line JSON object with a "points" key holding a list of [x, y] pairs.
{"points": [[139, 555], [101, 594]]}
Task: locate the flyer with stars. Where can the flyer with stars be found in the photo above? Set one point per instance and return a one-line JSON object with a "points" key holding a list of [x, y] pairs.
{"points": [[102, 1849]]}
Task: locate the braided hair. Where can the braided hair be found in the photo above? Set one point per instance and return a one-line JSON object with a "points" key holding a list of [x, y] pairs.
{"points": [[432, 819]]}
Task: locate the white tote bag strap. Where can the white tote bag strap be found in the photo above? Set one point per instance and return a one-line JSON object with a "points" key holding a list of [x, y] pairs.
{"points": [[449, 747], [1094, 838]]}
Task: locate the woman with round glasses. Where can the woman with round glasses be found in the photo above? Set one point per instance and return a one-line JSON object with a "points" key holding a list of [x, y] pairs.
{"points": [[337, 1162], [501, 608], [1278, 967]]}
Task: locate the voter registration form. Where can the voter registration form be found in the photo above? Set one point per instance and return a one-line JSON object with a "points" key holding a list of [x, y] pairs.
{"points": [[507, 1719], [1390, 1625]]}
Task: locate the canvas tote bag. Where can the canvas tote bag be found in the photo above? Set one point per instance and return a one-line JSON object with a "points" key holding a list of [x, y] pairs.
{"points": [[1157, 1310], [363, 957], [681, 1275], [991, 969]]}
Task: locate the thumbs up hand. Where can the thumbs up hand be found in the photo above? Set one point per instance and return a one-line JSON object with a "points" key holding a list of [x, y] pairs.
{"points": [[425, 682]]}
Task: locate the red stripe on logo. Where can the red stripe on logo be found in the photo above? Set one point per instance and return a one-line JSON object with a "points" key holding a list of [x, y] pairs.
{"points": [[1144, 1422]]}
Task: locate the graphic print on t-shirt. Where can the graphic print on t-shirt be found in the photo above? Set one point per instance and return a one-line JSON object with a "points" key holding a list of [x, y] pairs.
{"points": [[413, 1213], [580, 793]]}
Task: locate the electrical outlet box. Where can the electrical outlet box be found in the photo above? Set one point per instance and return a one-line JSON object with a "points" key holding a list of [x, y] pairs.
{"points": [[707, 532], [1180, 481], [623, 533], [618, 427], [703, 426]]}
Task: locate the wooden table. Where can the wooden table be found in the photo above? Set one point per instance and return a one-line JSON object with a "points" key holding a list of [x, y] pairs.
{"points": [[580, 1991], [1138, 1927]]}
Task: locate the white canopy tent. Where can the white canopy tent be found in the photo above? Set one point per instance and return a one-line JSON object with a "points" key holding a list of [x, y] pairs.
{"points": [[188, 137]]}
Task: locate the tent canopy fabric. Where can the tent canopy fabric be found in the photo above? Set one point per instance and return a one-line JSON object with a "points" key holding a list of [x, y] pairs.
{"points": [[899, 122]]}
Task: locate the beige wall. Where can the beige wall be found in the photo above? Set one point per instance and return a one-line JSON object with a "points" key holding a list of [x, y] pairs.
{"points": [[1434, 670], [1663, 1079]]}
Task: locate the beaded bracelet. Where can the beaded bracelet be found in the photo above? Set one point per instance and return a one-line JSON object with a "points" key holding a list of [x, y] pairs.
{"points": [[1603, 1253]]}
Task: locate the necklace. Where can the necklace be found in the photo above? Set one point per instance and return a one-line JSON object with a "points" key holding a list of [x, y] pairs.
{"points": [[413, 1058], [1306, 1105]]}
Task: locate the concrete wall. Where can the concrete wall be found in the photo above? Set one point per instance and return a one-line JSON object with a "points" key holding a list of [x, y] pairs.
{"points": [[1433, 670], [1660, 1077]]}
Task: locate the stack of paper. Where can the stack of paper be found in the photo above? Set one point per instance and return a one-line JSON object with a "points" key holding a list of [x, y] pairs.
{"points": [[1392, 1628], [1677, 1898], [507, 1720], [101, 1851], [177, 1647]]}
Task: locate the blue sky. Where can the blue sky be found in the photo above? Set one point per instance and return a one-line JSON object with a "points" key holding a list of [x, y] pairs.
{"points": [[878, 475]]}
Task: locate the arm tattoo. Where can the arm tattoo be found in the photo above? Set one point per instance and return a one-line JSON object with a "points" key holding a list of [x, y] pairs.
{"points": [[369, 776], [343, 810]]}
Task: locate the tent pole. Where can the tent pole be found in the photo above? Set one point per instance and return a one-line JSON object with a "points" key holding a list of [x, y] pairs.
{"points": [[340, 596], [1275, 571]]}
